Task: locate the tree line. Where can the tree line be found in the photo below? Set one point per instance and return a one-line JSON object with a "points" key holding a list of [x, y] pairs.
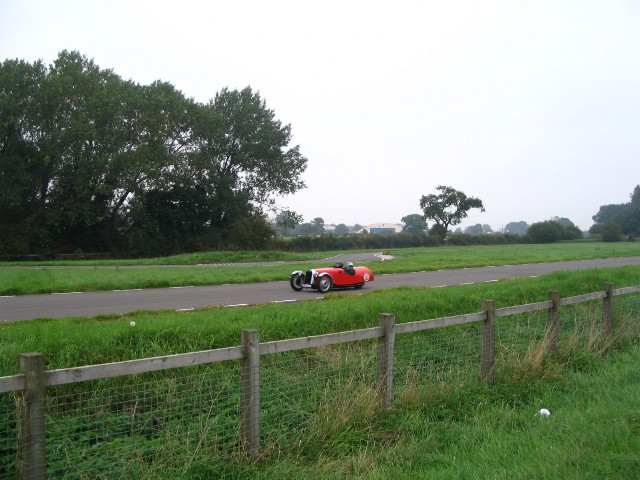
{"points": [[615, 220], [92, 162]]}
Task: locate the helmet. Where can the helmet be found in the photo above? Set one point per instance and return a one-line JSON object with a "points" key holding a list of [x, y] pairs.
{"points": [[349, 265], [338, 265]]}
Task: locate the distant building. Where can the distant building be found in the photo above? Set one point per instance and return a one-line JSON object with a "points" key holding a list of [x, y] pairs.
{"points": [[375, 228]]}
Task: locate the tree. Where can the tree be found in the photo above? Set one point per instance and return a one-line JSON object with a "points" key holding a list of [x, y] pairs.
{"points": [[610, 232], [287, 220], [551, 231], [341, 229], [519, 228], [606, 212], [548, 231], [628, 221], [318, 222], [474, 229], [448, 208], [414, 223], [90, 161], [626, 216]]}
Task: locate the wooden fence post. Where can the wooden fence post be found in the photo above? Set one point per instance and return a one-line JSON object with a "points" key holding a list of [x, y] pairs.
{"points": [[553, 322], [607, 310], [32, 427], [488, 355], [250, 391], [386, 352]]}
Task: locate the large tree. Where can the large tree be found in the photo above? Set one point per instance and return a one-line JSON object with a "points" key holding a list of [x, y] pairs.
{"points": [[626, 216], [90, 161], [520, 227], [447, 208]]}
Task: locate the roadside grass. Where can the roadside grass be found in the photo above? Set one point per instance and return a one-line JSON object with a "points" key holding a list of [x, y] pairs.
{"points": [[20, 281], [444, 429]]}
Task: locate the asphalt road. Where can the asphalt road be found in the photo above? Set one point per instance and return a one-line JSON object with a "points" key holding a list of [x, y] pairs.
{"points": [[88, 304]]}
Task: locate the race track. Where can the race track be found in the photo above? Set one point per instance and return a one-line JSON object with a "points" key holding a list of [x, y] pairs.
{"points": [[88, 304]]}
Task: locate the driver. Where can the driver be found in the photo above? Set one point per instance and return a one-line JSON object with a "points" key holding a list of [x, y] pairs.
{"points": [[349, 270]]}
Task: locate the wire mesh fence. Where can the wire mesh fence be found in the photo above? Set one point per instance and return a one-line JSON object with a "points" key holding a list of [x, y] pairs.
{"points": [[153, 425], [8, 434], [181, 422]]}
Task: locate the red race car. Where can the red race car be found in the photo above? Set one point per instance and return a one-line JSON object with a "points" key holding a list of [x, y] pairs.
{"points": [[324, 279]]}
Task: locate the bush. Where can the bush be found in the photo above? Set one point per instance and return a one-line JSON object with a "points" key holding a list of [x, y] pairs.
{"points": [[610, 232], [551, 231]]}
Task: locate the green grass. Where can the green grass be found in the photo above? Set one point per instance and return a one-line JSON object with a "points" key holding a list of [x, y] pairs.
{"points": [[14, 281], [214, 257], [488, 432], [437, 429]]}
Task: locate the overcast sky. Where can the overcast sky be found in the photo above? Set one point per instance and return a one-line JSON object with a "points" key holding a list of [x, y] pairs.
{"points": [[531, 106]]}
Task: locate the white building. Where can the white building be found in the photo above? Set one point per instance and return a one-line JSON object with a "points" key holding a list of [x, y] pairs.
{"points": [[381, 228]]}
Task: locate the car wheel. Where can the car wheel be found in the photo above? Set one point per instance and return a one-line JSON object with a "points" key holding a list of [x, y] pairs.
{"points": [[324, 284], [296, 282]]}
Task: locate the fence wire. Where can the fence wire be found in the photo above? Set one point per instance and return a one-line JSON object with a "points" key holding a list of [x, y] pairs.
{"points": [[146, 426], [8, 434], [445, 354], [304, 390]]}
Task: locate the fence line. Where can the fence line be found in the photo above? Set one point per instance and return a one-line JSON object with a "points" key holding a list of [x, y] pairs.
{"points": [[33, 379]]}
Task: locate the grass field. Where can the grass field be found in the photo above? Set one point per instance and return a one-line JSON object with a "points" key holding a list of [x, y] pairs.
{"points": [[466, 430], [15, 281]]}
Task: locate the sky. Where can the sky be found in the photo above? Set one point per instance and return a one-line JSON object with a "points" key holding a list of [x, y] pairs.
{"points": [[531, 106]]}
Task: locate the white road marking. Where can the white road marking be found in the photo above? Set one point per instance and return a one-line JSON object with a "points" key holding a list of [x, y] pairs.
{"points": [[188, 286], [65, 293], [129, 290], [238, 305], [184, 309]]}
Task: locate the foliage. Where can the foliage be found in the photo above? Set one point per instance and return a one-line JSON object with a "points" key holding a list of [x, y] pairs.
{"points": [[479, 229], [287, 219], [610, 232], [414, 223], [91, 162], [341, 229], [520, 227], [551, 231], [448, 208], [626, 216]]}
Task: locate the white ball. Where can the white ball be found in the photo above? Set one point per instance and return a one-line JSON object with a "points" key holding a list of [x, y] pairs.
{"points": [[544, 412], [133, 324]]}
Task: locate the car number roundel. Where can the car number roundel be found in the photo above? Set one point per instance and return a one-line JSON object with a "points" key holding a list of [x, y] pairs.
{"points": [[366, 277]]}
